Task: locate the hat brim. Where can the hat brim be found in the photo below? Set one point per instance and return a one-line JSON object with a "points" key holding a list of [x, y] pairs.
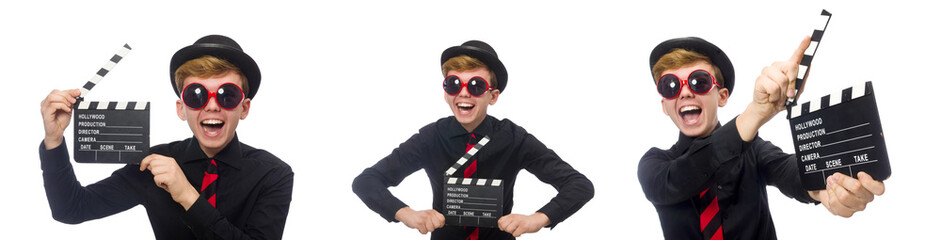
{"points": [[493, 63], [238, 58], [695, 44]]}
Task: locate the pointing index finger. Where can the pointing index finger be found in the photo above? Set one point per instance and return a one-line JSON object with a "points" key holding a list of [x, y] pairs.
{"points": [[793, 73], [799, 52]]}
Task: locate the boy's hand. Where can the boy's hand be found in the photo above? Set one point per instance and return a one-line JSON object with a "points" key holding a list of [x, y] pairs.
{"points": [[56, 111], [169, 176], [845, 195], [517, 224], [425, 221], [772, 89], [776, 82]]}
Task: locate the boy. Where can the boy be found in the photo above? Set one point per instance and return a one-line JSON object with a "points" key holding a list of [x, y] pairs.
{"points": [[474, 79], [216, 82], [712, 183]]}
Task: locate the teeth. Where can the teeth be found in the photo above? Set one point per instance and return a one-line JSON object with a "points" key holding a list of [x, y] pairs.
{"points": [[212, 122], [689, 108], [465, 105]]}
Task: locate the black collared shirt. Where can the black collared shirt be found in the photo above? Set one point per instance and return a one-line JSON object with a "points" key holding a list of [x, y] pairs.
{"points": [[740, 172], [253, 193], [438, 145]]}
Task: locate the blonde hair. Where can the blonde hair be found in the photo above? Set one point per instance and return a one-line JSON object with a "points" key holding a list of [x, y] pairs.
{"points": [[206, 67], [463, 63], [681, 57]]}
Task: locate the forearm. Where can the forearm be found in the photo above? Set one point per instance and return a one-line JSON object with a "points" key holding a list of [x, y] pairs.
{"points": [[267, 219], [667, 179], [71, 203], [375, 193], [751, 120], [666, 183], [572, 196]]}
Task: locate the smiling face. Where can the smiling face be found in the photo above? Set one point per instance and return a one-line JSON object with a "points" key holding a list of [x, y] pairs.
{"points": [[213, 126], [469, 110], [694, 114]]}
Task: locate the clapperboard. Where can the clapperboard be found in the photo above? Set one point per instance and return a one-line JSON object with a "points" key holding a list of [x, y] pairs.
{"points": [[474, 202], [110, 132], [840, 132]]}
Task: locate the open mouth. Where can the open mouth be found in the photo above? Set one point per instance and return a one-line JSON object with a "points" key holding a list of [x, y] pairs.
{"points": [[212, 127], [465, 107], [690, 114]]}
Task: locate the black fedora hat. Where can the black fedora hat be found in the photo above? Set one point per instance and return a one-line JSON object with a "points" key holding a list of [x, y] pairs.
{"points": [[695, 44], [223, 48], [483, 52]]}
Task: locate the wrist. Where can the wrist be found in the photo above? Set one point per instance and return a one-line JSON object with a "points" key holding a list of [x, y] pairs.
{"points": [[52, 142], [815, 195], [750, 121], [400, 214], [187, 199], [542, 219]]}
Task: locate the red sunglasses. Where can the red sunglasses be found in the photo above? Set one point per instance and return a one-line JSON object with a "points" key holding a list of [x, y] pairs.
{"points": [[475, 86], [699, 82], [228, 96]]}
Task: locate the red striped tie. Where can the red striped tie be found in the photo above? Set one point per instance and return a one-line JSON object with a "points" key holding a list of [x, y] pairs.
{"points": [[710, 221], [208, 190], [469, 172]]}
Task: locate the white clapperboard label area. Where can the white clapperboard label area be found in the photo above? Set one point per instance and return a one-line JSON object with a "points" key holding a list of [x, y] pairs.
{"points": [[110, 131], [473, 202], [840, 132]]}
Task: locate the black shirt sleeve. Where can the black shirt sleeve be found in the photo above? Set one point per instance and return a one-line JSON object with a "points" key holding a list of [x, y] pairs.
{"points": [[781, 170], [72, 203], [575, 190], [668, 179], [372, 185]]}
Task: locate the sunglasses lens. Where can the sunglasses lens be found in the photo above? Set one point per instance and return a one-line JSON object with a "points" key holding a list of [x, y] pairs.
{"points": [[668, 86], [195, 96], [700, 82], [229, 96], [476, 86], [452, 85]]}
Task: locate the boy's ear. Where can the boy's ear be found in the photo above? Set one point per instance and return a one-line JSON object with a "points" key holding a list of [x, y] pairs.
{"points": [[246, 105], [179, 110], [494, 94], [663, 105], [723, 97]]}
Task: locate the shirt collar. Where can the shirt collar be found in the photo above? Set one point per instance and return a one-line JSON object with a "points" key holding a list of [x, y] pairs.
{"points": [[454, 128], [231, 154], [683, 142]]}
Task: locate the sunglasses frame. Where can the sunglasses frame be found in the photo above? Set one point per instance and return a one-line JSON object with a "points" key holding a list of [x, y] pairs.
{"points": [[444, 85], [212, 94], [685, 82]]}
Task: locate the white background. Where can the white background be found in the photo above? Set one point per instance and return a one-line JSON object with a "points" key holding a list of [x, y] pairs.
{"points": [[345, 83]]}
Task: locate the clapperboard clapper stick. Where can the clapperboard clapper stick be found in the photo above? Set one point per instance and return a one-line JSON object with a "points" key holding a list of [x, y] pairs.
{"points": [[804, 66], [476, 202], [838, 133], [110, 132]]}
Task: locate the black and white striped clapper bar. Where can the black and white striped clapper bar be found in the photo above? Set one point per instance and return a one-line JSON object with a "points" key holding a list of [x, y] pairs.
{"points": [[110, 132], [819, 29], [474, 202], [840, 132]]}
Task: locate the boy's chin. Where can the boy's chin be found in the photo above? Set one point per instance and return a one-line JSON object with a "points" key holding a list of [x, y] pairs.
{"points": [[693, 131], [465, 119]]}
